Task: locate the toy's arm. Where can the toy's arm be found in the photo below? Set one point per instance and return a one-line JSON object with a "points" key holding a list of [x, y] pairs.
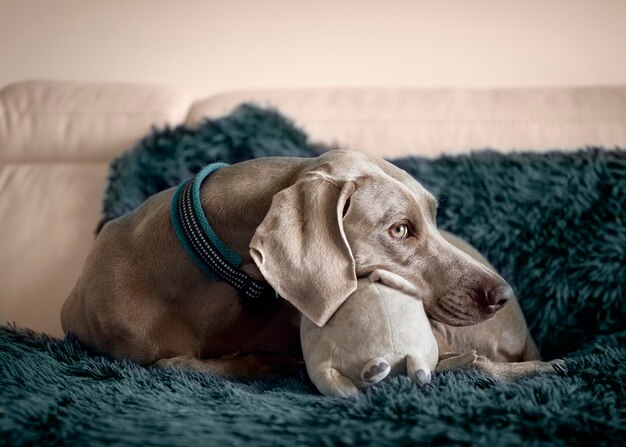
{"points": [[330, 382], [319, 350]]}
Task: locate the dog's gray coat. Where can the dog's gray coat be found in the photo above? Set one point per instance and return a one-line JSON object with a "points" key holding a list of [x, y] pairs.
{"points": [[310, 227]]}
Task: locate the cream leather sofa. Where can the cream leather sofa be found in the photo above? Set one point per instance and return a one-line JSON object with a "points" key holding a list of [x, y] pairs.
{"points": [[57, 138]]}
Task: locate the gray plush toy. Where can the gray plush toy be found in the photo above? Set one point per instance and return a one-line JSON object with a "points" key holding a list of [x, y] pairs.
{"points": [[377, 332]]}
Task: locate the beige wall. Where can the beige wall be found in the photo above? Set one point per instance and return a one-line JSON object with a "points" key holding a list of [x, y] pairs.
{"points": [[210, 46]]}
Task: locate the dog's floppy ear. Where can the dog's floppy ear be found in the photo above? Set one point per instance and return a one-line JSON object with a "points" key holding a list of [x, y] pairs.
{"points": [[301, 248]]}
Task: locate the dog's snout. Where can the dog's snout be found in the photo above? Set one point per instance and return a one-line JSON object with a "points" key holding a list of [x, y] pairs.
{"points": [[493, 295], [496, 297]]}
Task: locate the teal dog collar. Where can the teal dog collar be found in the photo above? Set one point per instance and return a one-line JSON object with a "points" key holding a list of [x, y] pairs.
{"points": [[203, 246]]}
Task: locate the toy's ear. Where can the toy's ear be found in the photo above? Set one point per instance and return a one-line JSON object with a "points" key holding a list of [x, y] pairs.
{"points": [[301, 248], [394, 281]]}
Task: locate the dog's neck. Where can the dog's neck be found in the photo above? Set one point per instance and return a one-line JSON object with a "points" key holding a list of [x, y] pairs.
{"points": [[204, 247], [237, 198]]}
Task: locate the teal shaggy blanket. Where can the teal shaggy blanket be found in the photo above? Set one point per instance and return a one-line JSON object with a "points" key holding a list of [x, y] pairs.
{"points": [[553, 224]]}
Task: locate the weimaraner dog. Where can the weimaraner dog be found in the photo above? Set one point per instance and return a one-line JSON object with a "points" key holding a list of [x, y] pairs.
{"points": [[310, 228]]}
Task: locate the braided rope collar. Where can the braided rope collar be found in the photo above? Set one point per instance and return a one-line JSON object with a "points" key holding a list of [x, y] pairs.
{"points": [[203, 246]]}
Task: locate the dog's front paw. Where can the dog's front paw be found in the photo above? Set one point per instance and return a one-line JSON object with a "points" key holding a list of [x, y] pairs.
{"points": [[558, 365]]}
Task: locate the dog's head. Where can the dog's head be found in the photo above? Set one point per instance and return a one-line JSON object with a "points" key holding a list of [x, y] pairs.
{"points": [[350, 215]]}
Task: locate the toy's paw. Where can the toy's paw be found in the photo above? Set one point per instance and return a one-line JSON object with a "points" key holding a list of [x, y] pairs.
{"points": [[418, 369], [422, 377], [375, 370]]}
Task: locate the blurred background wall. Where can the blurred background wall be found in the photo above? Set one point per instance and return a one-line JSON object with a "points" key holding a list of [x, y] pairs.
{"points": [[208, 46]]}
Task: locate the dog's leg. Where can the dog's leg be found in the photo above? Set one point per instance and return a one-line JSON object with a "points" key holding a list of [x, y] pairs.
{"points": [[517, 370], [239, 366], [450, 359], [453, 360]]}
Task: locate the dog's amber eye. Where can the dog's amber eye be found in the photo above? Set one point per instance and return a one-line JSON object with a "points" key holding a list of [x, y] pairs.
{"points": [[399, 231]]}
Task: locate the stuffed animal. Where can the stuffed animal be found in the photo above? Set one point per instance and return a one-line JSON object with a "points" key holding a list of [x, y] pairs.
{"points": [[377, 332]]}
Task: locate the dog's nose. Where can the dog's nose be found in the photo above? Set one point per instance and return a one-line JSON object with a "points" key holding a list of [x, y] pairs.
{"points": [[496, 298]]}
